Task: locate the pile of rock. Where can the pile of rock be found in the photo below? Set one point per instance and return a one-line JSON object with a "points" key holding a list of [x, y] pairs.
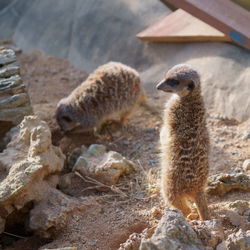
{"points": [[14, 100], [28, 171]]}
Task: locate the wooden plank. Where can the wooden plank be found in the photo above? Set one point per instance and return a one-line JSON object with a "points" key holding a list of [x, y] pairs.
{"points": [[224, 15], [180, 26]]}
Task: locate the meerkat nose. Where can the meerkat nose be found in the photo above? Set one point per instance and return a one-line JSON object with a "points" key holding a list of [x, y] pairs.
{"points": [[161, 85]]}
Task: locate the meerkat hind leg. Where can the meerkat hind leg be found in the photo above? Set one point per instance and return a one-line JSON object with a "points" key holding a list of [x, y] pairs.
{"points": [[201, 203], [181, 203]]}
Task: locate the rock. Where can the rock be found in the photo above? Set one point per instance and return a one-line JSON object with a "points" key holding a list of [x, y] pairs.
{"points": [[2, 224], [210, 232], [81, 165], [9, 70], [65, 181], [221, 184], [239, 240], [7, 56], [62, 248], [112, 167], [246, 165], [73, 156], [51, 213], [246, 136], [172, 233], [240, 206], [14, 100], [236, 219], [104, 167], [53, 180], [28, 159], [134, 240], [222, 246], [96, 149]]}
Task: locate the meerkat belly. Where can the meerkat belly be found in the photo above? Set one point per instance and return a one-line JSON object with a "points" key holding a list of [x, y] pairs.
{"points": [[187, 171]]}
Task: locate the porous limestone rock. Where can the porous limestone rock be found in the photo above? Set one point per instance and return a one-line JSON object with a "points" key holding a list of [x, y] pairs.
{"points": [[172, 233], [240, 206], [134, 240], [51, 213], [106, 167], [210, 232], [239, 240], [28, 159], [221, 184]]}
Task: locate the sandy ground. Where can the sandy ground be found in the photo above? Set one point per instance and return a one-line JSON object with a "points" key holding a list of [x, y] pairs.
{"points": [[115, 216]]}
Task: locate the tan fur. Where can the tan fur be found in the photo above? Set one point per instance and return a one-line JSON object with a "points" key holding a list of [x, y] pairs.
{"points": [[184, 142], [111, 92]]}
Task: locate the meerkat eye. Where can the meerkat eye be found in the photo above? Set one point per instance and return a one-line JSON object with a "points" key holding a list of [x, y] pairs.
{"points": [[191, 85]]}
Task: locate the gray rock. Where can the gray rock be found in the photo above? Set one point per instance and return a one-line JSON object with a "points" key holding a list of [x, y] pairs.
{"points": [[9, 70], [81, 165], [239, 240], [15, 114], [7, 56], [96, 149], [240, 206], [14, 101], [73, 156], [172, 233], [221, 184], [10, 82], [210, 232]]}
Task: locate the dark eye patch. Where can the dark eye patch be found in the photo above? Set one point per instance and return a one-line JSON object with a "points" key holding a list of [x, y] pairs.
{"points": [[191, 85], [173, 82]]}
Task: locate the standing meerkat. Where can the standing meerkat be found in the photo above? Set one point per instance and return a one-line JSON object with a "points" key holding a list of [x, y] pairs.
{"points": [[184, 142], [110, 92]]}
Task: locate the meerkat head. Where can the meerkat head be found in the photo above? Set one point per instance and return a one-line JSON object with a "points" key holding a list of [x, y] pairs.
{"points": [[181, 79], [64, 117]]}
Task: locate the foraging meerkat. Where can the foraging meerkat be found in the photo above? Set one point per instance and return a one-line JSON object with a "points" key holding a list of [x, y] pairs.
{"points": [[184, 142], [111, 91]]}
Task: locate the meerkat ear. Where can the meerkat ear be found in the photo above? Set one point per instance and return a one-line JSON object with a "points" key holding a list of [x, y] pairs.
{"points": [[191, 85]]}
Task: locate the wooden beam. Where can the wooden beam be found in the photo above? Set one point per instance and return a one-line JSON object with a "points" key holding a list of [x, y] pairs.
{"points": [[224, 15], [180, 26]]}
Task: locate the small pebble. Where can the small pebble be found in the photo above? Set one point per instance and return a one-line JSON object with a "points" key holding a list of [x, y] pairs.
{"points": [[125, 143], [149, 131], [246, 165], [152, 161], [246, 136], [218, 139]]}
